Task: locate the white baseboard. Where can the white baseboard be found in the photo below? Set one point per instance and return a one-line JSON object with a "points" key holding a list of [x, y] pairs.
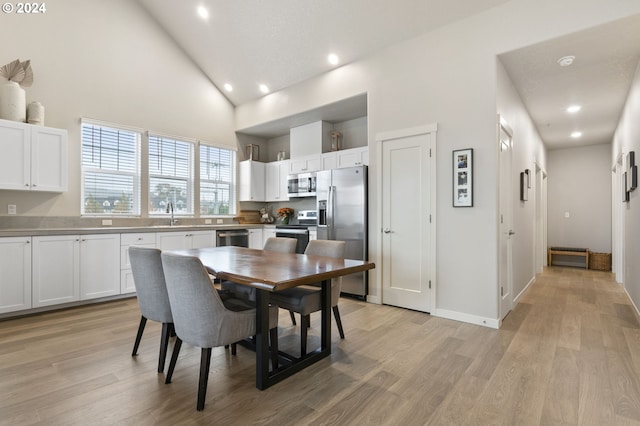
{"points": [[471, 319], [374, 299], [524, 290]]}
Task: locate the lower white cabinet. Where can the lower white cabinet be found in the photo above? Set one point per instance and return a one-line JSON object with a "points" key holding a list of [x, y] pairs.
{"points": [[145, 239], [67, 268], [186, 240], [255, 239], [268, 231], [15, 274]]}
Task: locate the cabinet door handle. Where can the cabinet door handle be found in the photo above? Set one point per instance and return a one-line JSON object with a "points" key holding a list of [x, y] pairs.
{"points": [[28, 242]]}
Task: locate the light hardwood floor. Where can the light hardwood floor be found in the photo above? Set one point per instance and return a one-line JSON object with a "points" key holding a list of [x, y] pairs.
{"points": [[569, 354]]}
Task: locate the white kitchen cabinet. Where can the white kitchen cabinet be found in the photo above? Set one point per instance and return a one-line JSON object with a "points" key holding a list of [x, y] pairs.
{"points": [[145, 239], [34, 158], [268, 231], [353, 157], [329, 160], [310, 139], [185, 240], [276, 180], [313, 234], [255, 239], [67, 268], [99, 265], [15, 274], [305, 164], [251, 176], [56, 270]]}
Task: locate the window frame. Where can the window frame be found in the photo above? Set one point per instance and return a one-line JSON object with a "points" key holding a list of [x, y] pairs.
{"points": [[135, 175], [189, 180], [233, 183]]}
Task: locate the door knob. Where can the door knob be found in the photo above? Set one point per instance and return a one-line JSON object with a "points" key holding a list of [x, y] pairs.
{"points": [[511, 232], [386, 230]]}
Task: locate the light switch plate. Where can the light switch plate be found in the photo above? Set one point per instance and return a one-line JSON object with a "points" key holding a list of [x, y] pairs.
{"points": [[107, 222], [11, 209], [219, 221], [207, 221]]}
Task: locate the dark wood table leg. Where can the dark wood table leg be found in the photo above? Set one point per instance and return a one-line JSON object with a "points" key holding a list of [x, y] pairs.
{"points": [[262, 339], [325, 329]]}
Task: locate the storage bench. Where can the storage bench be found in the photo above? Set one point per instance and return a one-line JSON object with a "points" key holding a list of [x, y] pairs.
{"points": [[569, 251]]}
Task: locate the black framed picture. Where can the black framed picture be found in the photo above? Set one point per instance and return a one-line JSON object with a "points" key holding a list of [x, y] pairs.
{"points": [[524, 185], [463, 178]]}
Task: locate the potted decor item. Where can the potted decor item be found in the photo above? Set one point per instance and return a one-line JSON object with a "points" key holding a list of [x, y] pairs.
{"points": [[285, 213], [12, 95]]}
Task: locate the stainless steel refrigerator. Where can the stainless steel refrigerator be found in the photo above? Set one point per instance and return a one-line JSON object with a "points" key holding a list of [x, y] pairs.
{"points": [[342, 215]]}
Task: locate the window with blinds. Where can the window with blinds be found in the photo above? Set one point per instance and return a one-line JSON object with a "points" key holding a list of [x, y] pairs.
{"points": [[170, 175], [217, 180], [110, 171]]}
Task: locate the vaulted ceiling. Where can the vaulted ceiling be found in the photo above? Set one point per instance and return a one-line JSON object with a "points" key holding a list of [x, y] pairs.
{"points": [[279, 43]]}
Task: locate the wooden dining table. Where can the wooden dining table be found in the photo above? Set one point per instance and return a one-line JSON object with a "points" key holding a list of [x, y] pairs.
{"points": [[267, 272]]}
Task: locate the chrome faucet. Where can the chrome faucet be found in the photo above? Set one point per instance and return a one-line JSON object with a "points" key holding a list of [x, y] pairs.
{"points": [[170, 208]]}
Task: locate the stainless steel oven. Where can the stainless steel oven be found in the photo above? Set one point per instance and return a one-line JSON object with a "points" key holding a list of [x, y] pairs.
{"points": [[233, 237]]}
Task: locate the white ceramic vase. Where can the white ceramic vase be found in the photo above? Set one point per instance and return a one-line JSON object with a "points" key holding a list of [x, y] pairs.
{"points": [[13, 102], [35, 113]]}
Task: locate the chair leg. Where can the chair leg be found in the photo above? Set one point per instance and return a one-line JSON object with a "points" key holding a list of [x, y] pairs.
{"points": [[174, 359], [273, 336], [172, 331], [234, 349], [293, 318], [205, 362], [143, 322], [304, 325], [336, 314], [164, 344]]}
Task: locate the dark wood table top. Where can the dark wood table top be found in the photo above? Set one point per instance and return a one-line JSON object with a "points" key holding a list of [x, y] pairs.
{"points": [[272, 271]]}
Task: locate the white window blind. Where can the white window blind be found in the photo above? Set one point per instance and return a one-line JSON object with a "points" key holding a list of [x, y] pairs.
{"points": [[170, 175], [110, 171], [217, 180]]}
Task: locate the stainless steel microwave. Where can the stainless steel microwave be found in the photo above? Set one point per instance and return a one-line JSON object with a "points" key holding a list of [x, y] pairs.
{"points": [[301, 185]]}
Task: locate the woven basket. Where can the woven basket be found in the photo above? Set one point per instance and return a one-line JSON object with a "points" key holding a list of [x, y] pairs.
{"points": [[600, 261]]}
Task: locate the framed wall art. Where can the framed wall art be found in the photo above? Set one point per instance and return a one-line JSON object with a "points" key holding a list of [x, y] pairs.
{"points": [[463, 178]]}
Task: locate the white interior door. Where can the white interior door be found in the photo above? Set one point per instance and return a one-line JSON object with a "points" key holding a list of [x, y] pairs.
{"points": [[506, 222], [408, 219]]}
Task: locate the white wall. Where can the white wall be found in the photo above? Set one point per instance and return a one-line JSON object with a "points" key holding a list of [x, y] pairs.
{"points": [[580, 184], [627, 138], [109, 61], [528, 150], [446, 77]]}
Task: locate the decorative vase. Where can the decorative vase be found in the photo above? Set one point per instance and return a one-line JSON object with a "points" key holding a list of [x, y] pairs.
{"points": [[13, 102], [35, 113], [285, 220]]}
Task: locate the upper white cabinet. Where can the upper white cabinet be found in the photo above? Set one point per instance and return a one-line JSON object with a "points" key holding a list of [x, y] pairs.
{"points": [[310, 139], [15, 266], [330, 160], [34, 158], [251, 176], [310, 163], [353, 157], [276, 180]]}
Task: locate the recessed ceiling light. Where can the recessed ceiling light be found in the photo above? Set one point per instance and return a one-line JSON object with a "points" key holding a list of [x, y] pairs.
{"points": [[565, 61], [333, 59], [264, 88], [573, 109], [228, 87], [576, 135], [203, 12]]}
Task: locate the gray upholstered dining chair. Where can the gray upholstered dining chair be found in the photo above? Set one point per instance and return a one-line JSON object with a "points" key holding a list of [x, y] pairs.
{"points": [[202, 319], [305, 299], [279, 244], [148, 278]]}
